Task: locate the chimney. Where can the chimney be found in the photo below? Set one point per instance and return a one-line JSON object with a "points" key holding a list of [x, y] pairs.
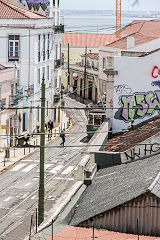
{"points": [[130, 42]]}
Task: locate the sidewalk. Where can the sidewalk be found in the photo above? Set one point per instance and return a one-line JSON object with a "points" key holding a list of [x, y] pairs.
{"points": [[16, 154]]}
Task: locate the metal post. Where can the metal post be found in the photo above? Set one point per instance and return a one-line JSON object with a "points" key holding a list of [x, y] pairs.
{"points": [[137, 228], [68, 70], [30, 227], [93, 232], [29, 148], [55, 132], [52, 229], [24, 151], [14, 152], [64, 126], [5, 160], [34, 144], [85, 72], [42, 144], [36, 221]]}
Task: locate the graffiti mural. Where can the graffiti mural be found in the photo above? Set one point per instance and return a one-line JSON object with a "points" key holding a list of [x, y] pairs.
{"points": [[138, 105], [122, 89]]}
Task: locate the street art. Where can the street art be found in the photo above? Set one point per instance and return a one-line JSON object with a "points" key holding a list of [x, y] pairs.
{"points": [[156, 74], [138, 105], [122, 89]]}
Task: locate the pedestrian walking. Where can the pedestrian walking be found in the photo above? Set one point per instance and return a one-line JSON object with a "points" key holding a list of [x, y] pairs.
{"points": [[50, 127], [62, 135]]}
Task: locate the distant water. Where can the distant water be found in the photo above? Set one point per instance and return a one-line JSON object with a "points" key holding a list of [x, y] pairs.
{"points": [[100, 21]]}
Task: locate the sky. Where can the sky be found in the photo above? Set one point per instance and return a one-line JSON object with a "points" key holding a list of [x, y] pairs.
{"points": [[146, 5]]}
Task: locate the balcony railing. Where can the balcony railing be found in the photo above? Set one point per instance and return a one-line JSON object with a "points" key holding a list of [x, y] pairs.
{"points": [[56, 98], [57, 63], [2, 104], [59, 29], [13, 100]]}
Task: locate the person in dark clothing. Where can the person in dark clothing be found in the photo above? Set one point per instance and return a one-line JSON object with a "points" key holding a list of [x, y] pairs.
{"points": [[50, 127], [62, 135]]}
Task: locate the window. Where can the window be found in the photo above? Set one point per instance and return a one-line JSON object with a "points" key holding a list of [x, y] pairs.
{"points": [[18, 74], [48, 51], [48, 73], [44, 47], [56, 57], [55, 83], [13, 48], [12, 89], [38, 114], [39, 48], [38, 76], [43, 70], [104, 63]]}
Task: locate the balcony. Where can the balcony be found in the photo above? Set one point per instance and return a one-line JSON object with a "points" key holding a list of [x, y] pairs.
{"points": [[56, 98], [59, 29], [110, 72], [57, 63], [13, 100], [13, 58], [2, 104]]}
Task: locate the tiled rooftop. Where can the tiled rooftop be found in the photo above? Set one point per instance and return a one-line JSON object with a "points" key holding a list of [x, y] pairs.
{"points": [[142, 30], [78, 233], [91, 55], [87, 39], [9, 10], [123, 141]]}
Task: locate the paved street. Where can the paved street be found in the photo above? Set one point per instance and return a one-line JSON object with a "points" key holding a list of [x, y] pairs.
{"points": [[19, 184]]}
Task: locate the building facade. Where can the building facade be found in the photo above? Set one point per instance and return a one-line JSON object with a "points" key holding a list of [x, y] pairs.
{"points": [[8, 88], [32, 43]]}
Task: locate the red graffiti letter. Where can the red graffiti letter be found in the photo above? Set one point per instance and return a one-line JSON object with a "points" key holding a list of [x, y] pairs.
{"points": [[153, 72]]}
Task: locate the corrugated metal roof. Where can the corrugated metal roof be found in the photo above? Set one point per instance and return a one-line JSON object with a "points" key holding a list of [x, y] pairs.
{"points": [[117, 185]]}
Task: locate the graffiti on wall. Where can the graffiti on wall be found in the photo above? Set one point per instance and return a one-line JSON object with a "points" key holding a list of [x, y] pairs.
{"points": [[122, 89], [138, 105], [156, 75]]}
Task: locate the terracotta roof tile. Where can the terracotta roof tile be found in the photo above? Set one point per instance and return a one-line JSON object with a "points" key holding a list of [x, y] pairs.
{"points": [[87, 39], [9, 10], [123, 141], [142, 30], [91, 55], [79, 233]]}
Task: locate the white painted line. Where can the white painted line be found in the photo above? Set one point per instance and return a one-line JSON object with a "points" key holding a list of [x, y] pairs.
{"points": [[68, 170], [58, 178], [29, 168], [46, 166], [19, 166], [27, 160], [34, 197], [70, 179], [28, 184], [7, 199], [56, 169]]}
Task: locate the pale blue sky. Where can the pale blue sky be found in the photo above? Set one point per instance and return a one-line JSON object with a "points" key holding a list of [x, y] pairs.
{"points": [[146, 5]]}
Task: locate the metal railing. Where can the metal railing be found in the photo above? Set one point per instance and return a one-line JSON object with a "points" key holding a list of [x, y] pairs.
{"points": [[2, 104]]}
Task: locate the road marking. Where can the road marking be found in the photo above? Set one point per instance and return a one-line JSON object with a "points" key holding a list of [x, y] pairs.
{"points": [[70, 179], [34, 197], [28, 184], [46, 166], [27, 160], [29, 168], [7, 199], [58, 178], [68, 170], [56, 169], [16, 168]]}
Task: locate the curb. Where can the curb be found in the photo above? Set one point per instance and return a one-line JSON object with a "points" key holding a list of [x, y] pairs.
{"points": [[63, 202]]}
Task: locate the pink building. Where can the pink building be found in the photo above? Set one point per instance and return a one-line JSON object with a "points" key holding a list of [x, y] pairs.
{"points": [[8, 93]]}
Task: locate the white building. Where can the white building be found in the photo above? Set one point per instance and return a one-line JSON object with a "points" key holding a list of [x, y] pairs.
{"points": [[32, 43]]}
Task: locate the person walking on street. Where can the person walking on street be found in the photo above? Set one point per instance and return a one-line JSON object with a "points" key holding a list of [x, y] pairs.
{"points": [[50, 127], [62, 135]]}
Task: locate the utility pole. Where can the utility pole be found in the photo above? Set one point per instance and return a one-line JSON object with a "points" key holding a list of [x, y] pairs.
{"points": [[42, 144], [68, 70], [85, 71]]}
